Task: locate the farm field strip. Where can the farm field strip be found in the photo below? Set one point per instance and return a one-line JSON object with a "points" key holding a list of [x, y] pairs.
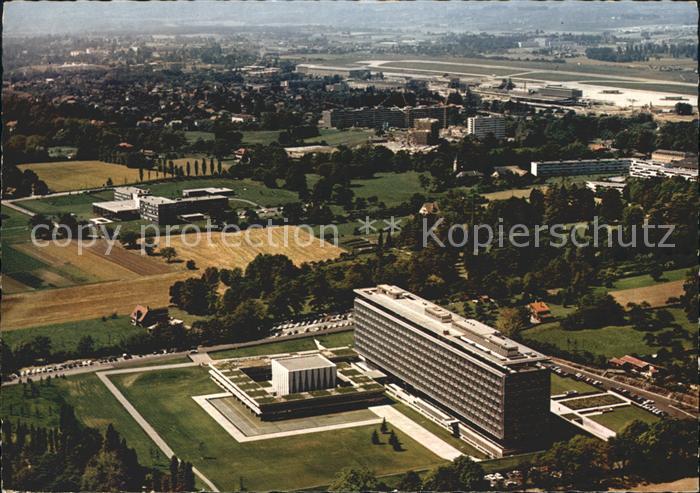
{"points": [[62, 176], [230, 250], [85, 302], [656, 295]]}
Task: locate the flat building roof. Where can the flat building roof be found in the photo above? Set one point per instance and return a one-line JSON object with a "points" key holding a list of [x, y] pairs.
{"points": [[466, 334], [117, 206], [306, 362]]}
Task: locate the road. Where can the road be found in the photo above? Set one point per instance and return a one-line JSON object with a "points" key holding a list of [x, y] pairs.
{"points": [[140, 360], [664, 403], [147, 428]]}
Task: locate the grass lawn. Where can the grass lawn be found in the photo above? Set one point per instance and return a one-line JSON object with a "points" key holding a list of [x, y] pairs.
{"points": [[265, 137], [65, 337], [74, 175], [349, 137], [303, 344], [390, 188], [14, 227], [194, 136], [646, 279], [439, 431], [245, 189], [79, 204], [608, 341], [164, 399], [14, 261], [12, 219], [560, 385], [621, 417], [94, 406]]}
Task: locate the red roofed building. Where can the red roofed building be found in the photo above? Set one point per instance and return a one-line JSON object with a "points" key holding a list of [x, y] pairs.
{"points": [[635, 365], [539, 312], [145, 316]]}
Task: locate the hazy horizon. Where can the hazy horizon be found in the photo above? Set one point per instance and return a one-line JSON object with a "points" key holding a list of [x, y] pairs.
{"points": [[23, 18]]}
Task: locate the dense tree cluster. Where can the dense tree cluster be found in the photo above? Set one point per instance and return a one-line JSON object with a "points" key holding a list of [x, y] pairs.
{"points": [[636, 52], [72, 457]]}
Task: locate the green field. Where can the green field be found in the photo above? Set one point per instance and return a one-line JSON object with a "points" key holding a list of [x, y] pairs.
{"points": [[609, 341], [349, 137], [94, 406], [593, 401], [336, 339], [621, 417], [164, 399], [194, 136], [65, 337], [331, 136], [390, 188], [14, 261], [79, 204], [561, 385], [646, 279]]}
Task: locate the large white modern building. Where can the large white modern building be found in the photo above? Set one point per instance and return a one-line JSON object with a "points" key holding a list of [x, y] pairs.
{"points": [[481, 126], [580, 167], [296, 374], [495, 386]]}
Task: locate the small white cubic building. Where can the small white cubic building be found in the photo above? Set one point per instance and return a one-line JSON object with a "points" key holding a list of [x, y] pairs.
{"points": [[302, 373]]}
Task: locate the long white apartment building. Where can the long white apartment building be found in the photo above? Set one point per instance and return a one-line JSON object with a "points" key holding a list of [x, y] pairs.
{"points": [[580, 167], [496, 387]]}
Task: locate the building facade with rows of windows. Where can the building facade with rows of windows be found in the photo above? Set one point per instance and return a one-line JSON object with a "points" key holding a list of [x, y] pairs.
{"points": [[498, 388]]}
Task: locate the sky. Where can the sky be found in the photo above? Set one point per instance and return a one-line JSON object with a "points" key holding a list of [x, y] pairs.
{"points": [[32, 18]]}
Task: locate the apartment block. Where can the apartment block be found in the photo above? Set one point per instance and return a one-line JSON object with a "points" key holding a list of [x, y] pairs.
{"points": [[496, 387], [379, 116], [481, 126], [580, 167]]}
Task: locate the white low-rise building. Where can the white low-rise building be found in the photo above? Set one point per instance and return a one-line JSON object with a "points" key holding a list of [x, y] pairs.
{"points": [[641, 168]]}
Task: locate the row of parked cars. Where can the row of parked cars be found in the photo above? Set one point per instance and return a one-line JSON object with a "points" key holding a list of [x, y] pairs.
{"points": [[316, 324], [642, 402], [39, 371]]}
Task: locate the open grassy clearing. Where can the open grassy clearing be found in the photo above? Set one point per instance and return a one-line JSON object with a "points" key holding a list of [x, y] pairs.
{"points": [[618, 419], [390, 188], [164, 399], [79, 204], [349, 137], [230, 250], [336, 339], [65, 337], [561, 385], [608, 341], [646, 280], [61, 176], [85, 302], [94, 406]]}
